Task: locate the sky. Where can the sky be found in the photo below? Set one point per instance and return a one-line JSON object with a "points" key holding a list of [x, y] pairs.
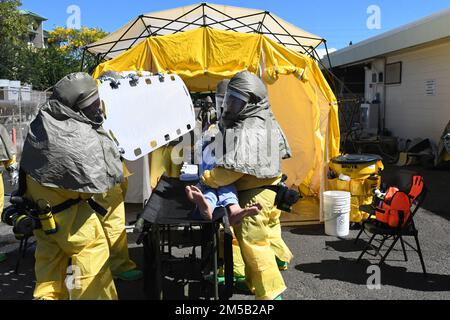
{"points": [[337, 21]]}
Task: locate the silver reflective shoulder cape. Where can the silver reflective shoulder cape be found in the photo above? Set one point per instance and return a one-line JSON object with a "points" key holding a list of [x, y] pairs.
{"points": [[255, 145], [63, 149], [7, 150]]}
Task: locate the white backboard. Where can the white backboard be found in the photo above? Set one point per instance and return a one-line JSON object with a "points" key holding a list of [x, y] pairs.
{"points": [[147, 115]]}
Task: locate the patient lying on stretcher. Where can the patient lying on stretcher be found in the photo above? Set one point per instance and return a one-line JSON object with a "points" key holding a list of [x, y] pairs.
{"points": [[208, 199]]}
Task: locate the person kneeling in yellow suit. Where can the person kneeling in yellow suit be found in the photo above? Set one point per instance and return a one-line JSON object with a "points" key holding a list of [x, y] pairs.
{"points": [[67, 158]]}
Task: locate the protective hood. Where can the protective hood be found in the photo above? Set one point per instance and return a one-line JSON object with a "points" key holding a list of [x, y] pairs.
{"points": [[253, 143], [221, 90], [64, 149], [7, 150], [248, 84], [76, 91]]}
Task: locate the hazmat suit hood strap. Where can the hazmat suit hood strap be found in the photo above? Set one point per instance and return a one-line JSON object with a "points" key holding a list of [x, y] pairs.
{"points": [[7, 149], [64, 150]]}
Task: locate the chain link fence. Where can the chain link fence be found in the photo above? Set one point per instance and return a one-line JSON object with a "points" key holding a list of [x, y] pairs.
{"points": [[17, 109]]}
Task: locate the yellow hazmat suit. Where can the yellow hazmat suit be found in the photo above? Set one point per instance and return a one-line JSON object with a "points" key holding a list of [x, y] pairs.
{"points": [[161, 163], [277, 243], [6, 164], [254, 233], [114, 226], [68, 157], [79, 242], [279, 247], [248, 155], [7, 160]]}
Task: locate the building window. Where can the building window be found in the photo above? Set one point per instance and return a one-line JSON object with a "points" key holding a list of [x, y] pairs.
{"points": [[394, 73]]}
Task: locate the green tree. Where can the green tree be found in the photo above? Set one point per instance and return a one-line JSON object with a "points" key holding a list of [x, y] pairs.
{"points": [[71, 42], [13, 33], [40, 67]]}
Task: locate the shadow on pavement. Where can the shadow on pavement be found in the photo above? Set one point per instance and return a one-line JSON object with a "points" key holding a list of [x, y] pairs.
{"points": [[348, 270], [18, 286], [309, 230], [132, 290], [346, 245], [349, 245], [181, 279]]}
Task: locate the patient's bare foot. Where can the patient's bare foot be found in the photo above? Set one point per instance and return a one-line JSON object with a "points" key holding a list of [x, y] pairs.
{"points": [[195, 195], [189, 193], [236, 213]]}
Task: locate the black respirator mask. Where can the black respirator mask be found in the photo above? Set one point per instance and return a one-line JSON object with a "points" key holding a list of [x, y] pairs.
{"points": [[233, 104], [94, 112]]}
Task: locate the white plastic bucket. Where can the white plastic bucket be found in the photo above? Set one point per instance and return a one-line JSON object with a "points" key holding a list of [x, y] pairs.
{"points": [[336, 209]]}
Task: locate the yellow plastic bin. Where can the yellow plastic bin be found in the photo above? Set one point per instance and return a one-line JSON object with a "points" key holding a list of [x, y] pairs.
{"points": [[362, 173]]}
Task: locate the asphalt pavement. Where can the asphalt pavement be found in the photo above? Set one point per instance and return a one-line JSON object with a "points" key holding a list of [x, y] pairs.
{"points": [[323, 267]]}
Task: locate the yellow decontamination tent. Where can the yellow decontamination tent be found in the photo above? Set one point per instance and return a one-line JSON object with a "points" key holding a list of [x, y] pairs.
{"points": [[301, 99]]}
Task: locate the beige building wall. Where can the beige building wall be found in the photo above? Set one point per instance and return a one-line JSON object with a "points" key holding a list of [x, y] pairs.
{"points": [[420, 105], [39, 39]]}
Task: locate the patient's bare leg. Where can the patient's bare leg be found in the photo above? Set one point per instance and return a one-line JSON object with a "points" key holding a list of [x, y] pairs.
{"points": [[195, 195], [236, 213]]}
